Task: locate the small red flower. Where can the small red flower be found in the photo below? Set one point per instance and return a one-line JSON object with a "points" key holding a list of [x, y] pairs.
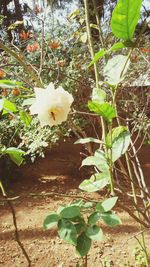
{"points": [[54, 44], [15, 92], [2, 74], [4, 93], [25, 35], [33, 47]]}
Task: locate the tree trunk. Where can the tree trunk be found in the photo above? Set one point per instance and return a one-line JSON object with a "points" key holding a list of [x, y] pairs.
{"points": [[18, 11]]}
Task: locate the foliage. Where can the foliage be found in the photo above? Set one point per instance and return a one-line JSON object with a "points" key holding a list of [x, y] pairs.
{"points": [[75, 229]]}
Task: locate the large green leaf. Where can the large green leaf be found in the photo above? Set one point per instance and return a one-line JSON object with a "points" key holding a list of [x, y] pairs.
{"points": [[95, 183], [83, 245], [51, 221], [105, 110], [125, 17], [67, 231], [94, 232], [110, 219], [115, 69], [120, 145], [88, 140], [107, 204], [70, 212], [114, 135], [10, 84], [8, 106], [15, 154], [98, 160]]}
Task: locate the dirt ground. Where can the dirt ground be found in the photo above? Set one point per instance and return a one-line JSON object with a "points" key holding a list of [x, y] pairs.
{"points": [[43, 186]]}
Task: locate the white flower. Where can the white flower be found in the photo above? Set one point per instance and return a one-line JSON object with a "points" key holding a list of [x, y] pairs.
{"points": [[52, 105]]}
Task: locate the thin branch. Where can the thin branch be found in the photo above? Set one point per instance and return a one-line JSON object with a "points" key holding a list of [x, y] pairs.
{"points": [[17, 237]]}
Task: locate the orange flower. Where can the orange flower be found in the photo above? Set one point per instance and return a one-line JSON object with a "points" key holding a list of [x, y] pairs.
{"points": [[61, 63], [4, 93], [33, 47], [2, 74], [145, 50], [16, 92], [25, 35], [54, 44]]}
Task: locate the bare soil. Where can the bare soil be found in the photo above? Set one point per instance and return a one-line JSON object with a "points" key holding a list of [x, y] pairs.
{"points": [[43, 186]]}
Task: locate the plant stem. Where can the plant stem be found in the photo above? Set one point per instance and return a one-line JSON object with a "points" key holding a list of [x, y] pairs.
{"points": [[98, 24], [111, 164], [90, 40]]}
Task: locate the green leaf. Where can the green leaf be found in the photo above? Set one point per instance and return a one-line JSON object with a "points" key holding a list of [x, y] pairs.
{"points": [[87, 205], [117, 46], [8, 106], [67, 231], [98, 160], [88, 140], [106, 110], [82, 204], [15, 155], [25, 117], [94, 217], [125, 17], [51, 221], [83, 245], [95, 233], [98, 95], [107, 204], [120, 145], [114, 135], [10, 84], [80, 227], [28, 101], [96, 182], [97, 56], [70, 212], [74, 14], [115, 69], [110, 219]]}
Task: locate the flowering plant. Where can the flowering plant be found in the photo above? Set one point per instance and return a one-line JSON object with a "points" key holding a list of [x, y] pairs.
{"points": [[52, 105]]}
